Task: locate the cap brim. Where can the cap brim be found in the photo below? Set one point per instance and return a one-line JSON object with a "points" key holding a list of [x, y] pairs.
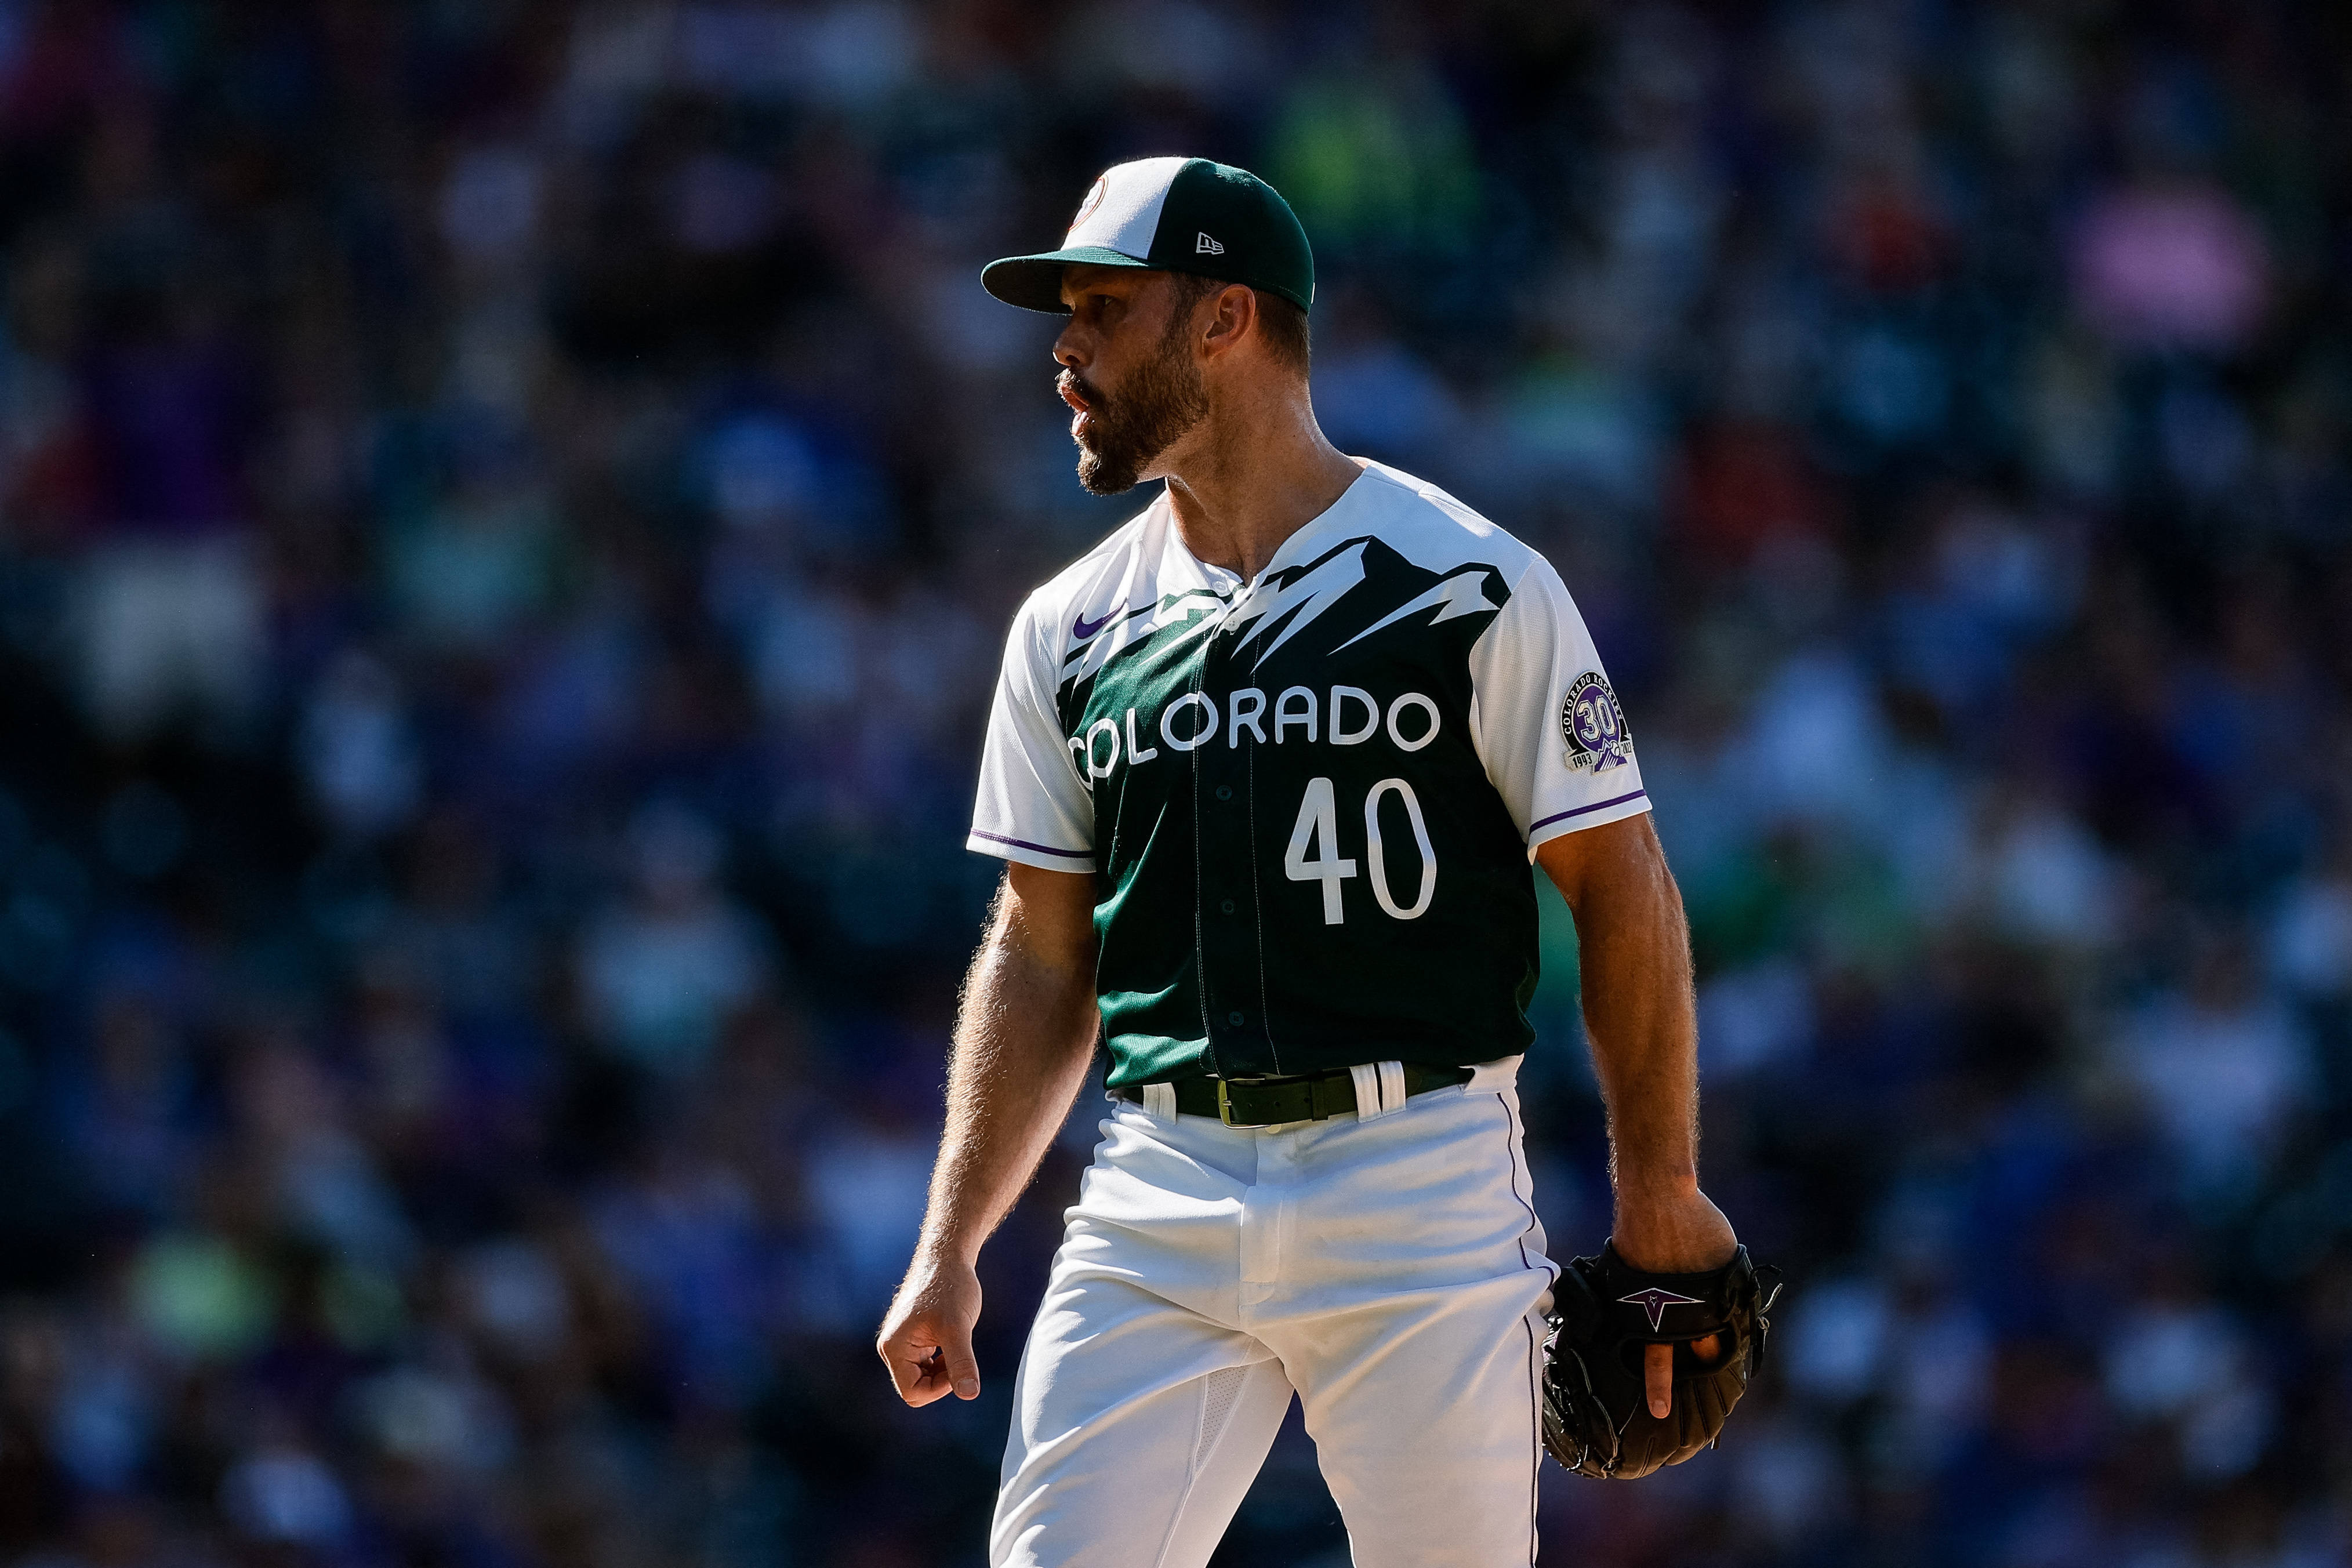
{"points": [[1035, 282]]}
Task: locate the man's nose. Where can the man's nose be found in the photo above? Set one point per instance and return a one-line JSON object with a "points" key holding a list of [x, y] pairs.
{"points": [[1067, 352]]}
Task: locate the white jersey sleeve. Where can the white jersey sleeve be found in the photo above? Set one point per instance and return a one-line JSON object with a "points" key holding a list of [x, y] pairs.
{"points": [[1549, 728], [1034, 807]]}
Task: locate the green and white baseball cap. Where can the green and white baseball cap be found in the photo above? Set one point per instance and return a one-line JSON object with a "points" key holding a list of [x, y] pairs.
{"points": [[1171, 214]]}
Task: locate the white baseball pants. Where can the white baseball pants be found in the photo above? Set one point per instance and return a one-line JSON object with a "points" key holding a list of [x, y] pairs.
{"points": [[1389, 1269]]}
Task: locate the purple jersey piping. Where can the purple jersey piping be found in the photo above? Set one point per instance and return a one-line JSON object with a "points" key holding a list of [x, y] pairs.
{"points": [[1580, 811], [1041, 848]]}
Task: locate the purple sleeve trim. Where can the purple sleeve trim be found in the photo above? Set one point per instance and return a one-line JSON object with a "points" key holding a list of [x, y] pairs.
{"points": [[1041, 848], [1581, 810]]}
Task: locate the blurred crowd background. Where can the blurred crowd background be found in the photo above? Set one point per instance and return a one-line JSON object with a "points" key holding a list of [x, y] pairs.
{"points": [[507, 513]]}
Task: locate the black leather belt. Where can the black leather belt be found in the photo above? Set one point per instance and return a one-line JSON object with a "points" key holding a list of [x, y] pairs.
{"points": [[1271, 1102]]}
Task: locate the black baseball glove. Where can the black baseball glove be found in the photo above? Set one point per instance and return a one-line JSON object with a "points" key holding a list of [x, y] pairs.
{"points": [[1597, 1419]]}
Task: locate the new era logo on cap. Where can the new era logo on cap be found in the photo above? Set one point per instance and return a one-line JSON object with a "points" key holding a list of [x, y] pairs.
{"points": [[1204, 246]]}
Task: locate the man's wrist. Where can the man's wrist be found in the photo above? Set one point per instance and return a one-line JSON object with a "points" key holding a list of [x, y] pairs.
{"points": [[1679, 1230], [947, 1249], [1656, 1185]]}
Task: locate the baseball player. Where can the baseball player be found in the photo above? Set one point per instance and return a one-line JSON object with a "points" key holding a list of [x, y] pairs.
{"points": [[1269, 767]]}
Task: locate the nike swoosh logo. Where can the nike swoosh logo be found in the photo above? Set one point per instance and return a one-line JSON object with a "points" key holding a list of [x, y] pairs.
{"points": [[1082, 629]]}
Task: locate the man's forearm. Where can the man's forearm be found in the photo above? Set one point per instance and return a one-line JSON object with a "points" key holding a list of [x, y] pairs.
{"points": [[1025, 1035], [1635, 954], [1639, 1011], [1023, 1038]]}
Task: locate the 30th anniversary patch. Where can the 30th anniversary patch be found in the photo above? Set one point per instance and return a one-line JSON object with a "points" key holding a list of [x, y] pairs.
{"points": [[1594, 725]]}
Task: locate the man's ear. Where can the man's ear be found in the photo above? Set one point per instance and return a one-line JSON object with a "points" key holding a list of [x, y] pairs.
{"points": [[1232, 317]]}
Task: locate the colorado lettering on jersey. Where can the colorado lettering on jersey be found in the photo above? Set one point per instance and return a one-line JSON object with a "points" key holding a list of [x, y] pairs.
{"points": [[1411, 722]]}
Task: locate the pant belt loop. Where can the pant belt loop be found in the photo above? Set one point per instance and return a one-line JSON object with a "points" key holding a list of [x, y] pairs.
{"points": [[1370, 1101], [1392, 1089], [1160, 1099]]}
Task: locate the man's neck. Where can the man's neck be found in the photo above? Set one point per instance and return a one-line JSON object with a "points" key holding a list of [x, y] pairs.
{"points": [[1249, 477]]}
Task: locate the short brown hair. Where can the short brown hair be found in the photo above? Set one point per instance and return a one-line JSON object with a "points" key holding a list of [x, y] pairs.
{"points": [[1283, 323]]}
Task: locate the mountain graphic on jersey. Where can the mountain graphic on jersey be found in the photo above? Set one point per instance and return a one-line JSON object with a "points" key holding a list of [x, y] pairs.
{"points": [[1304, 622]]}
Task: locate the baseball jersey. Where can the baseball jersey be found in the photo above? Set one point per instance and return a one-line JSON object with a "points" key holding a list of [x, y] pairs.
{"points": [[1309, 801]]}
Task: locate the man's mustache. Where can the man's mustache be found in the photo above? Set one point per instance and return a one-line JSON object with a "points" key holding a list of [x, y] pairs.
{"points": [[1079, 392]]}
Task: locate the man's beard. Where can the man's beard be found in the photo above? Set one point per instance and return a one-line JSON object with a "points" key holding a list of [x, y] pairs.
{"points": [[1161, 401]]}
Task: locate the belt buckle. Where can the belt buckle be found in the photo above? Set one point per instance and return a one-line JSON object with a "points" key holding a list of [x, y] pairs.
{"points": [[1225, 1102]]}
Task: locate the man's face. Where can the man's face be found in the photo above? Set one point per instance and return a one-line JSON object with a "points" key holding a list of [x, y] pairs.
{"points": [[1127, 372]]}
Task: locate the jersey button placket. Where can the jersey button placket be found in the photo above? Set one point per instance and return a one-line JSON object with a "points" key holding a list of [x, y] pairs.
{"points": [[1228, 955]]}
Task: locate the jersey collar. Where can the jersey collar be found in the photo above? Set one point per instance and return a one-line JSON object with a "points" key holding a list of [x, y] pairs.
{"points": [[1300, 547]]}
